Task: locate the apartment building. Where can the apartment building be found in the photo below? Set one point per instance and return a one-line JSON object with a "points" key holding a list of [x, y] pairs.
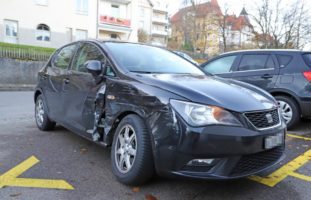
{"points": [[49, 23], [239, 31], [153, 19], [145, 13], [117, 19], [159, 31], [197, 28], [53, 23]]}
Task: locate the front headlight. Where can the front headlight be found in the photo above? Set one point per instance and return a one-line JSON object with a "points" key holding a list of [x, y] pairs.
{"points": [[200, 115]]}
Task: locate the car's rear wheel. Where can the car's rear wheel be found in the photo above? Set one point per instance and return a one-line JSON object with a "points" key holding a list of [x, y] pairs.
{"points": [[131, 154], [289, 110], [42, 120]]}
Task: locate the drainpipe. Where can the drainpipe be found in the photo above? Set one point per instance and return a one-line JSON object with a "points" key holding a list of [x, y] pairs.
{"points": [[97, 12]]}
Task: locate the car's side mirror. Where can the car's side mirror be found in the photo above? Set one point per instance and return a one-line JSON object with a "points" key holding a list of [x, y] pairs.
{"points": [[94, 67]]}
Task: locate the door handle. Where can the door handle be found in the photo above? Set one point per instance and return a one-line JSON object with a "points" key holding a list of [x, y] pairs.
{"points": [[66, 80], [266, 76]]}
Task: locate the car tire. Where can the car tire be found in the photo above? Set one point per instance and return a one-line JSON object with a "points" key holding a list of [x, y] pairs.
{"points": [[42, 120], [132, 170], [287, 106]]}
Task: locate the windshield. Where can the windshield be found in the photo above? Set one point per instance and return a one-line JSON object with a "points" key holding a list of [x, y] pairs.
{"points": [[146, 59]]}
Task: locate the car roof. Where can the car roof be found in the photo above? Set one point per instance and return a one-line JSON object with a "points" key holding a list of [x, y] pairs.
{"points": [[117, 41], [267, 50]]}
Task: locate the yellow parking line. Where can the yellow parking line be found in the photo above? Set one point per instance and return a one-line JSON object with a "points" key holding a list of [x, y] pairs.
{"points": [[39, 183], [286, 170], [19, 169], [301, 176], [298, 137], [10, 178]]}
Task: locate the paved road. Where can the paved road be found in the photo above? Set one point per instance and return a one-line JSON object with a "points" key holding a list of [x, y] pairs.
{"points": [[86, 166]]}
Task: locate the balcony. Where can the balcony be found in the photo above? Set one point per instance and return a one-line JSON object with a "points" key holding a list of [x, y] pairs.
{"points": [[160, 9], [159, 20], [114, 21], [121, 1], [159, 33]]}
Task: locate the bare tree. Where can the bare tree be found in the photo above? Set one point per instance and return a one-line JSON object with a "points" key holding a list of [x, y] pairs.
{"points": [[282, 27], [303, 28], [222, 23], [263, 19], [142, 35]]}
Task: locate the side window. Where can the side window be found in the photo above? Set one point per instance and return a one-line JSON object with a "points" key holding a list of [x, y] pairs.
{"points": [[220, 66], [63, 57], [284, 59], [270, 63], [307, 58], [109, 71], [87, 52], [253, 62]]}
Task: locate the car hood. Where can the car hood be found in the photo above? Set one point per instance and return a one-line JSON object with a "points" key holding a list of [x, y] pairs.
{"points": [[211, 90]]}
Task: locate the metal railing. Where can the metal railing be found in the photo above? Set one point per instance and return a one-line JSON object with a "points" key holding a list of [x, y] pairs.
{"points": [[25, 53]]}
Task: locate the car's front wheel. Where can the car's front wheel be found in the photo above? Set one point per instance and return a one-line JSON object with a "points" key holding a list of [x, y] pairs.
{"points": [[289, 110], [131, 154], [42, 120]]}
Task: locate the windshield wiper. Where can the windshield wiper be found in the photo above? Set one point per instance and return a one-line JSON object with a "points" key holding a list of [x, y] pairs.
{"points": [[141, 72], [146, 72]]}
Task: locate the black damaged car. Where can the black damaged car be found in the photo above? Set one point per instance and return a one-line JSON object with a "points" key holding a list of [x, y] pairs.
{"points": [[161, 114]]}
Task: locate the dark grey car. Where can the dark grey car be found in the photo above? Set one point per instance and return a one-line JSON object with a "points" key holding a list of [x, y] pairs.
{"points": [[286, 74], [162, 114]]}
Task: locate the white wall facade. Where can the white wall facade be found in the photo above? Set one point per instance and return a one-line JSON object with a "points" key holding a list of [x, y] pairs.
{"points": [[159, 30], [145, 15], [67, 20], [240, 37], [71, 20]]}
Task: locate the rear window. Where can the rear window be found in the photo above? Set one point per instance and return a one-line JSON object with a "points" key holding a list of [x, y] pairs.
{"points": [[284, 59], [307, 58]]}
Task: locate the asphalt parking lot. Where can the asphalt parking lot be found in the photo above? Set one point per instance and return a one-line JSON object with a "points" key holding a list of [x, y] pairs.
{"points": [[84, 168]]}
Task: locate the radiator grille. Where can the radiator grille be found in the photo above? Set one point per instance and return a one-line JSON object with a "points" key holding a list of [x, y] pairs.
{"points": [[263, 119]]}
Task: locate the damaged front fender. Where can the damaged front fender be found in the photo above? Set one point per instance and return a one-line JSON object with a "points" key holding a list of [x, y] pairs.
{"points": [[150, 103]]}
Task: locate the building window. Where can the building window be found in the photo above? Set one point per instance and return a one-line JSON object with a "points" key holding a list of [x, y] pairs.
{"points": [[115, 10], [141, 24], [43, 33], [81, 34], [82, 6], [11, 28], [114, 36], [42, 2], [142, 12]]}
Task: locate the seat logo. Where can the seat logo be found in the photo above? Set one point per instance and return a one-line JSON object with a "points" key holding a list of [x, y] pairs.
{"points": [[269, 118]]}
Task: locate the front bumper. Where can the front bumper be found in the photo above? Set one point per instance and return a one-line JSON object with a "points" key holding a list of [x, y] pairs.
{"points": [[236, 151]]}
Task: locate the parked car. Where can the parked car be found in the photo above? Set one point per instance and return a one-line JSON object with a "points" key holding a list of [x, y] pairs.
{"points": [[186, 56], [286, 74], [162, 113]]}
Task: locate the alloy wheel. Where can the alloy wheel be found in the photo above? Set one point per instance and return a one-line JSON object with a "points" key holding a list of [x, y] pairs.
{"points": [[125, 149], [286, 111], [39, 112]]}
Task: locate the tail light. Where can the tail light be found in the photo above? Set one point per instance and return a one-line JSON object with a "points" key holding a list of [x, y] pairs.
{"points": [[307, 75]]}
